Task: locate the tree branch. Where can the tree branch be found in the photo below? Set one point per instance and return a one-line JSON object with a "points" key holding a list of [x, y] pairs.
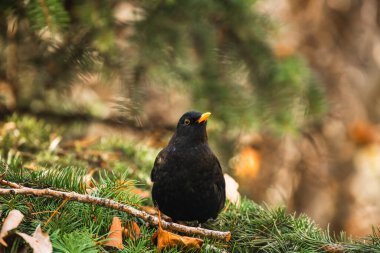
{"points": [[10, 184], [109, 203]]}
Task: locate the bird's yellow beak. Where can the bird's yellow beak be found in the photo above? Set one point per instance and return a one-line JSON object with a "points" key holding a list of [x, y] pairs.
{"points": [[204, 117]]}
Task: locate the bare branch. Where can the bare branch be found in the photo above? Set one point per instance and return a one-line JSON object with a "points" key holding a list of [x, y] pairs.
{"points": [[109, 203], [10, 184]]}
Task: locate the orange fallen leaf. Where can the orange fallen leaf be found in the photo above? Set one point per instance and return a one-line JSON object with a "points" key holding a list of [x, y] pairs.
{"points": [[165, 239], [39, 241], [12, 221], [115, 237], [132, 230]]}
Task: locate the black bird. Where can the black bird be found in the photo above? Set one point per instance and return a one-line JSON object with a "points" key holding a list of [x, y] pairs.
{"points": [[188, 183]]}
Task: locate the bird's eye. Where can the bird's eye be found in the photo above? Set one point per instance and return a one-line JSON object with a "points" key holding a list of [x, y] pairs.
{"points": [[187, 122]]}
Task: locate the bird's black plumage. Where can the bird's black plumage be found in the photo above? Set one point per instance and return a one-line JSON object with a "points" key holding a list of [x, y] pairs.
{"points": [[188, 183]]}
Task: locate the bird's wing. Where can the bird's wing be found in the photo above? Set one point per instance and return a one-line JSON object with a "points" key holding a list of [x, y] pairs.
{"points": [[158, 163], [220, 185]]}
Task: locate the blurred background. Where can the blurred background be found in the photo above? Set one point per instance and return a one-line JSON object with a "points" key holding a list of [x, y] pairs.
{"points": [[293, 87]]}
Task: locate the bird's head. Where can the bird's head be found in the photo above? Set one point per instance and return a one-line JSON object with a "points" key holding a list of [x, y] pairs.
{"points": [[192, 127]]}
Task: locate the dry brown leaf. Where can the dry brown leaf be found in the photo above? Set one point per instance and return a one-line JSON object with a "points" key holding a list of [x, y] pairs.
{"points": [[165, 239], [12, 221], [132, 230], [39, 241], [115, 237]]}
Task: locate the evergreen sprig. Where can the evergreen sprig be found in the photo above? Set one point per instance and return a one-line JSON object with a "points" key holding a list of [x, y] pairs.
{"points": [[262, 229]]}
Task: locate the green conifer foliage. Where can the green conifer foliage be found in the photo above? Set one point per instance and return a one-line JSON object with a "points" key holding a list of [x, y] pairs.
{"points": [[218, 51]]}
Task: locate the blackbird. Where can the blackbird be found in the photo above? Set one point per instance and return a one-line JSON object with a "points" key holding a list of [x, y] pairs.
{"points": [[188, 183]]}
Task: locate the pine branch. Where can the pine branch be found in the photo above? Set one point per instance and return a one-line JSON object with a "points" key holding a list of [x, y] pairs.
{"points": [[109, 203]]}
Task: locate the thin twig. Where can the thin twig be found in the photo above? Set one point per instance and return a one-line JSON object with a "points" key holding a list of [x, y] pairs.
{"points": [[10, 184], [109, 203], [56, 211]]}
